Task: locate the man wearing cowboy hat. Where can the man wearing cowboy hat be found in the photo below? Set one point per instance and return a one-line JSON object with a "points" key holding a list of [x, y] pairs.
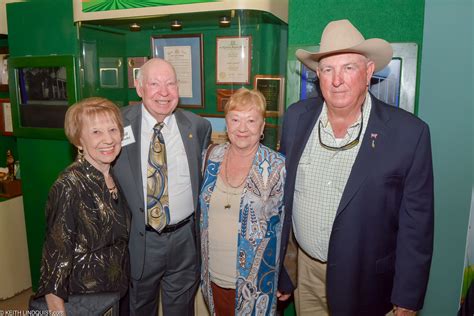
{"points": [[359, 187]]}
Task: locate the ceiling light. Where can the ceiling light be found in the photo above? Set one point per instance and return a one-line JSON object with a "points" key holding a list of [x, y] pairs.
{"points": [[135, 27], [176, 25], [224, 21]]}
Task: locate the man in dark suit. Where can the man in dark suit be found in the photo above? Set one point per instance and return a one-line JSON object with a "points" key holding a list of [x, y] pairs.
{"points": [[359, 187], [164, 261]]}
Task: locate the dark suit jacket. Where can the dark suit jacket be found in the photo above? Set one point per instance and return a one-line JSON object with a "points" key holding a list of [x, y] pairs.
{"points": [[382, 238], [195, 133]]}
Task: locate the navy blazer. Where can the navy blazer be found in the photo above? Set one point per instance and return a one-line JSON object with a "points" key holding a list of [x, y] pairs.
{"points": [[381, 243]]}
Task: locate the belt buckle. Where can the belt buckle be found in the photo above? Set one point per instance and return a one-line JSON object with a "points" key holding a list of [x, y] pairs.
{"points": [[170, 228], [175, 227]]}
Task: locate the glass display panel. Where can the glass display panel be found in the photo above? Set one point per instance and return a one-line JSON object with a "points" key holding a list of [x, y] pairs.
{"points": [[385, 84], [42, 89], [43, 85], [42, 96]]}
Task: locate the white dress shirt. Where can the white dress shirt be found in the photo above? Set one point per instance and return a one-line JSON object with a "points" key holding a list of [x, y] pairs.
{"points": [[179, 181]]}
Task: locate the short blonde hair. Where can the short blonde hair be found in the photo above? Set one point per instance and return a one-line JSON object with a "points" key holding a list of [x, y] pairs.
{"points": [[86, 109], [245, 99]]}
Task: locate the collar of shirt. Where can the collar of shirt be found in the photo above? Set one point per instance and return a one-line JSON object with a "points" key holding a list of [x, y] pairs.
{"points": [[149, 121], [353, 129]]}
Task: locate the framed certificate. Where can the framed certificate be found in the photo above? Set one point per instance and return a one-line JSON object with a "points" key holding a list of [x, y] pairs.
{"points": [[3, 70], [272, 88], [185, 54], [233, 59]]}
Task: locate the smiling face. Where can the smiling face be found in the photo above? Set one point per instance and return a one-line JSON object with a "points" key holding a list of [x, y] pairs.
{"points": [[101, 141], [158, 88], [245, 127], [344, 80]]}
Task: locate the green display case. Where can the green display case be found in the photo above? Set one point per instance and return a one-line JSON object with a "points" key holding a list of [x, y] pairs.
{"points": [[212, 59]]}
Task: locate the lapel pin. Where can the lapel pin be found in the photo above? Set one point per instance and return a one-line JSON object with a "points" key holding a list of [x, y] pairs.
{"points": [[373, 136], [190, 135]]}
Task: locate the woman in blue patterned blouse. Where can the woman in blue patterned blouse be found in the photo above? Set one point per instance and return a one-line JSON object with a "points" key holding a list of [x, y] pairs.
{"points": [[242, 214]]}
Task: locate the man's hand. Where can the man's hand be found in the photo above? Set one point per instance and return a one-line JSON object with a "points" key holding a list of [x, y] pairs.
{"points": [[283, 296], [400, 311]]}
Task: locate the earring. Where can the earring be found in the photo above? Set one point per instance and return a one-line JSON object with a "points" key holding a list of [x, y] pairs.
{"points": [[80, 153], [262, 136]]}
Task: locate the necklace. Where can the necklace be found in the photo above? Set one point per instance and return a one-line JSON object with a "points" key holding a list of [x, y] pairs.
{"points": [[241, 183], [229, 192], [113, 192], [113, 189], [227, 172]]}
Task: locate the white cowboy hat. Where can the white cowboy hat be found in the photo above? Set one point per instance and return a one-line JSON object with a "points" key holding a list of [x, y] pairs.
{"points": [[342, 37]]}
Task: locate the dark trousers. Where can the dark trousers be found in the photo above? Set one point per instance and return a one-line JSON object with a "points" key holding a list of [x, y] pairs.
{"points": [[171, 269], [124, 305]]}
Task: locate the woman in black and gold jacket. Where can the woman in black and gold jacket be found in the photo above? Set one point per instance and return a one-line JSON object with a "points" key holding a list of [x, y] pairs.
{"points": [[86, 245]]}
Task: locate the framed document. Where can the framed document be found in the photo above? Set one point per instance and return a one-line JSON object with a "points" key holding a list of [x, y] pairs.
{"points": [[185, 54], [272, 87], [6, 123], [3, 71], [233, 59]]}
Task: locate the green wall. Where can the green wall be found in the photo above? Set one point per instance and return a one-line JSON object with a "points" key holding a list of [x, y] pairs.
{"points": [[446, 104], [40, 28]]}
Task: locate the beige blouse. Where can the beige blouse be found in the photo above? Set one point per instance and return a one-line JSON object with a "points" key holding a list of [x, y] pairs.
{"points": [[223, 231]]}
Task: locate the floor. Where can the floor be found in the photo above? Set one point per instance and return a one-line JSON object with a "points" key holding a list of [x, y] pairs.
{"points": [[17, 303]]}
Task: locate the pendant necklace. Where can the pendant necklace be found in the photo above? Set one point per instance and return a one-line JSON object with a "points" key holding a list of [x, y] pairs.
{"points": [[228, 206], [228, 195], [113, 192]]}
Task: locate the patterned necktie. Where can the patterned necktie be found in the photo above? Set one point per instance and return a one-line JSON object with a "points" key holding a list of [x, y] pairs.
{"points": [[157, 182]]}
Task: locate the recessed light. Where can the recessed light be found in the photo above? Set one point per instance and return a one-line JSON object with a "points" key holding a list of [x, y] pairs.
{"points": [[176, 25], [224, 21], [135, 27]]}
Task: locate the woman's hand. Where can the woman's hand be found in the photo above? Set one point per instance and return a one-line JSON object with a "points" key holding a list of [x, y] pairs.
{"points": [[283, 296], [400, 311], [55, 303]]}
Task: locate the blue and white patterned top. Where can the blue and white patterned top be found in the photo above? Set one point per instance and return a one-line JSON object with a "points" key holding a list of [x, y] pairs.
{"points": [[259, 237]]}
